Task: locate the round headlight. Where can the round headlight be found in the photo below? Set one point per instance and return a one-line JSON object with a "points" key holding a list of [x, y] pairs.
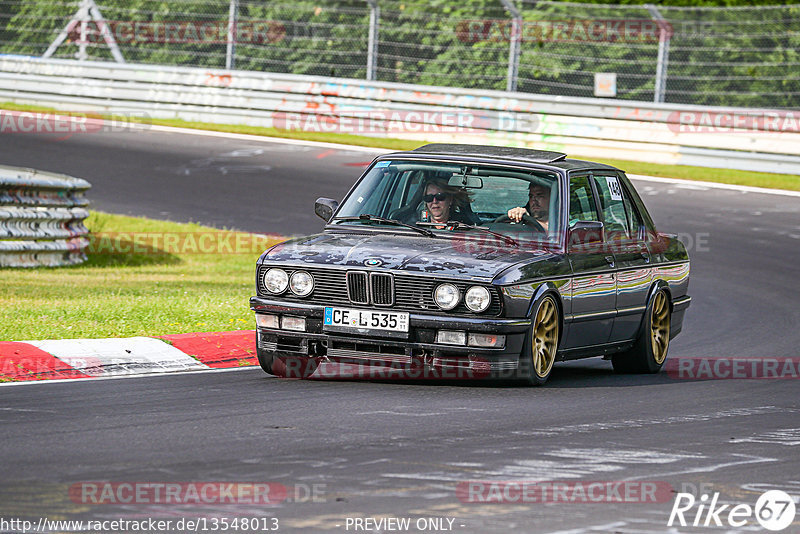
{"points": [[276, 281], [301, 283], [477, 298], [446, 296]]}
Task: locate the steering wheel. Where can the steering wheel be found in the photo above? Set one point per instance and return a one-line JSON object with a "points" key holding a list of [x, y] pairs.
{"points": [[526, 219]]}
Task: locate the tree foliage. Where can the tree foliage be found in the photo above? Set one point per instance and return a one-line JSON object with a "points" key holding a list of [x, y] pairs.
{"points": [[745, 55]]}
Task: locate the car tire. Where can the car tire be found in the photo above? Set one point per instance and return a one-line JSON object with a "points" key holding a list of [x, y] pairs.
{"points": [[649, 352], [541, 343], [286, 366]]}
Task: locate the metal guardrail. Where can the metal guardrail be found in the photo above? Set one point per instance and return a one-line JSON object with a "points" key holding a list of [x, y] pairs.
{"points": [[706, 55], [41, 218], [588, 127]]}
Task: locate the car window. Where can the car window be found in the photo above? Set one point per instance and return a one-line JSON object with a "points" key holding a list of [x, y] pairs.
{"points": [[612, 205], [401, 190], [581, 203], [636, 227], [367, 197], [503, 193], [638, 210], [397, 190]]}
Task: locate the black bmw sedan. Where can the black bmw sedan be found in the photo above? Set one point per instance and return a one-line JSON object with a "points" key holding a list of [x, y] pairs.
{"points": [[474, 261]]}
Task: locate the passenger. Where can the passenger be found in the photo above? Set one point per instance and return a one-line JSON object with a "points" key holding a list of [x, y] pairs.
{"points": [[538, 206]]}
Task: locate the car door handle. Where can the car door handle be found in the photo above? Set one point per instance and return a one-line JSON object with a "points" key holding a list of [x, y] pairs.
{"points": [[610, 261]]}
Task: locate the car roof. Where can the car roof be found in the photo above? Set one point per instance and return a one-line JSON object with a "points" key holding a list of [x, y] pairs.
{"points": [[515, 154]]}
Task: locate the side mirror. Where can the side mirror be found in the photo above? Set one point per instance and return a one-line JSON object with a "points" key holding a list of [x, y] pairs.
{"points": [[325, 208], [583, 232]]}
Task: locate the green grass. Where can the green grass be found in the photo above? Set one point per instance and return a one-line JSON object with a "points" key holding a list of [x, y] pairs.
{"points": [[790, 182], [725, 176], [133, 294]]}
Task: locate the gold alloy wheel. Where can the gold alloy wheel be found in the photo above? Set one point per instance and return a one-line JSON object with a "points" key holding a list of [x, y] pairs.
{"points": [[659, 327], [545, 337]]}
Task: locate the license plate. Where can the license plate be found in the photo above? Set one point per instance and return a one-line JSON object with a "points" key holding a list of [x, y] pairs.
{"points": [[366, 319]]}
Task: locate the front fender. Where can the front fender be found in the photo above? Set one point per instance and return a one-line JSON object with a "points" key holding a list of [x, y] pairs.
{"points": [[548, 288]]}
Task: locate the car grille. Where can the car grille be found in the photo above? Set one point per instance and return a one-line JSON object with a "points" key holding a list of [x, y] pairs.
{"points": [[399, 291], [382, 285], [357, 290]]}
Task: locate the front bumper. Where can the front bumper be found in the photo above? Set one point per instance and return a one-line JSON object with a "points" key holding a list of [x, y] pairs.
{"points": [[679, 306], [417, 349]]}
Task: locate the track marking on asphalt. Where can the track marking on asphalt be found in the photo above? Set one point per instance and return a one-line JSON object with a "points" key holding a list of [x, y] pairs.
{"points": [[325, 154], [378, 461], [391, 412], [678, 419], [594, 528], [582, 462], [581, 467], [420, 414], [114, 357], [700, 185], [532, 469], [597, 455], [422, 476], [714, 467], [459, 510], [792, 487], [120, 377], [5, 409], [784, 436], [243, 153]]}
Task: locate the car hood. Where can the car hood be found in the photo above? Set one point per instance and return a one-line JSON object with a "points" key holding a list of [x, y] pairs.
{"points": [[454, 256]]}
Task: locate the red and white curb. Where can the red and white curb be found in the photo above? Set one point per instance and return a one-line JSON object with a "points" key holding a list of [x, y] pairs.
{"points": [[114, 357]]}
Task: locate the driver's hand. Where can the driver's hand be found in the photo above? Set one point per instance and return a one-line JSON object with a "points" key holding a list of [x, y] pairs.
{"points": [[516, 214]]}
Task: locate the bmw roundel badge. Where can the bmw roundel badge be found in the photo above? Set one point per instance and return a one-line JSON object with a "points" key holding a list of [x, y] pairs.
{"points": [[372, 262]]}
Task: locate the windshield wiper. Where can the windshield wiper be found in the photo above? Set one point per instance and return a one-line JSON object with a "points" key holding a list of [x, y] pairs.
{"points": [[375, 218], [457, 225]]}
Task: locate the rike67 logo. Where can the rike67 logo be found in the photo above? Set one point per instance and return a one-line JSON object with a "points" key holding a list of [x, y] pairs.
{"points": [[774, 510]]}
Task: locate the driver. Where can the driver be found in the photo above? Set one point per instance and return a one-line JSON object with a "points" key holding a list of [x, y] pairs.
{"points": [[538, 206]]}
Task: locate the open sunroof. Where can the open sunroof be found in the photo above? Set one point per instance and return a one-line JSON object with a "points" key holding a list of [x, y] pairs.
{"points": [[524, 154]]}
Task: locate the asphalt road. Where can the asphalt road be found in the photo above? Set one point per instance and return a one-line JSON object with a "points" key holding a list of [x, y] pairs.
{"points": [[392, 449], [246, 185]]}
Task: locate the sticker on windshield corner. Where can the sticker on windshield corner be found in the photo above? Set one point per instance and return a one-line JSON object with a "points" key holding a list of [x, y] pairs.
{"points": [[613, 187], [382, 164]]}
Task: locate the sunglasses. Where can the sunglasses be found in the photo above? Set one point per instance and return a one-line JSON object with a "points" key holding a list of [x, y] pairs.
{"points": [[438, 196]]}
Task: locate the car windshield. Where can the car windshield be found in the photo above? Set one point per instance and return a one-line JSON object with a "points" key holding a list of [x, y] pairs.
{"points": [[429, 194]]}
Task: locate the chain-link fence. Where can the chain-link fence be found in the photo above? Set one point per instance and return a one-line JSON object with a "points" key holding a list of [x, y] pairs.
{"points": [[734, 56]]}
